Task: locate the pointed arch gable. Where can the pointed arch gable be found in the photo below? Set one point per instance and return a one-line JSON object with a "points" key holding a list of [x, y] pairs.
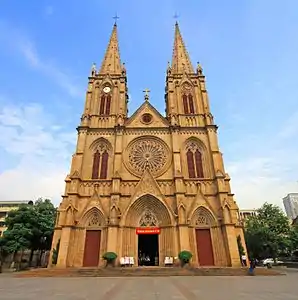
{"points": [[202, 216], [99, 143], [147, 202], [93, 217]]}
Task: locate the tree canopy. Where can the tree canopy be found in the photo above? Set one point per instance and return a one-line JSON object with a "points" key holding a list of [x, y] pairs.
{"points": [[29, 227], [269, 234]]}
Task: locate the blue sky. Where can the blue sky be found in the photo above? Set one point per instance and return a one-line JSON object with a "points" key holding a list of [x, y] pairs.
{"points": [[248, 49]]}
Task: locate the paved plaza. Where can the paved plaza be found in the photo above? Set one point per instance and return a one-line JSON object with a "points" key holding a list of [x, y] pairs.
{"points": [[141, 288]]}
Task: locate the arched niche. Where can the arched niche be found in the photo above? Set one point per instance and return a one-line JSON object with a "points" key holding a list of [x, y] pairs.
{"points": [[93, 218], [202, 217]]}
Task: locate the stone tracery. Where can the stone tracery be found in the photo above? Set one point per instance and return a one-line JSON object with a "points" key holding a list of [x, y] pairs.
{"points": [[148, 219], [148, 153], [94, 220]]}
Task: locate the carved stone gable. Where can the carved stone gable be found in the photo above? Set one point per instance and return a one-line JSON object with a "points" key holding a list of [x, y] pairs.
{"points": [[202, 220], [146, 116], [94, 220], [148, 219]]}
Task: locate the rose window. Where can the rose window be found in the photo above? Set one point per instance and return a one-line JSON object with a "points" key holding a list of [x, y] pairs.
{"points": [[151, 153]]}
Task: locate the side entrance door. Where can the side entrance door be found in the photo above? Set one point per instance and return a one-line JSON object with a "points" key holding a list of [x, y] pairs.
{"points": [[204, 247], [92, 248]]}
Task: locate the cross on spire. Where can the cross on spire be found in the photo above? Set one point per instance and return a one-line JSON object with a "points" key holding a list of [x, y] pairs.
{"points": [[146, 91], [116, 18], [176, 16]]}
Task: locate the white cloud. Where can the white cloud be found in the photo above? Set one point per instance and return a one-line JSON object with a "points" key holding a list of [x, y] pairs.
{"points": [[17, 40], [43, 150], [264, 170]]}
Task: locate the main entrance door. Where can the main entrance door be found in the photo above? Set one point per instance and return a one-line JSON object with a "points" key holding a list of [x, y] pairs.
{"points": [[92, 248], [148, 250], [204, 247]]}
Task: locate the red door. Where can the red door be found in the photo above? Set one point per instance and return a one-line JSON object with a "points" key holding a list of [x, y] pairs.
{"points": [[204, 247], [92, 247]]}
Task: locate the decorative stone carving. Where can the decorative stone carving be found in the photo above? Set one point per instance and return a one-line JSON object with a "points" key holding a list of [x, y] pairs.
{"points": [[148, 219], [148, 153], [202, 220], [94, 220]]}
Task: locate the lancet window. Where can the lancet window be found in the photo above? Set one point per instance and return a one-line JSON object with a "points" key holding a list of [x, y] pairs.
{"points": [[194, 161], [105, 104], [100, 162], [188, 104]]}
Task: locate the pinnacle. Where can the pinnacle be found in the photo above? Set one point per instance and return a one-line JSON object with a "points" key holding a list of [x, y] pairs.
{"points": [[180, 61], [112, 63]]}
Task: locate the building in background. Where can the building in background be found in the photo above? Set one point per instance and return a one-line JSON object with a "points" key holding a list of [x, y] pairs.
{"points": [[291, 205], [5, 207], [244, 214]]}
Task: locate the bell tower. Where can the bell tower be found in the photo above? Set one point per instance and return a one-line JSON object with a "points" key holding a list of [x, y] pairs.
{"points": [[186, 97], [106, 97]]}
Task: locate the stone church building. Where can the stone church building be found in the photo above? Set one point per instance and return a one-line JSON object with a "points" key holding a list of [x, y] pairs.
{"points": [[147, 184]]}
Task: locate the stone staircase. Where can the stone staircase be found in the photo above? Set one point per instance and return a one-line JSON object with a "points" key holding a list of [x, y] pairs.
{"points": [[145, 271]]}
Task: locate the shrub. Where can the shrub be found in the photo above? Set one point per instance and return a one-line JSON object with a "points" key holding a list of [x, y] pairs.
{"points": [[185, 256], [109, 256], [55, 253]]}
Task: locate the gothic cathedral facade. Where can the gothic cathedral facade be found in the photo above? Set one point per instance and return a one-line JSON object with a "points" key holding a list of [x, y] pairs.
{"points": [[147, 173]]}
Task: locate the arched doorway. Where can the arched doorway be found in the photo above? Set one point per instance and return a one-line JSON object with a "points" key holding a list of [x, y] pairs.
{"points": [[148, 246], [202, 222], [93, 222], [148, 233]]}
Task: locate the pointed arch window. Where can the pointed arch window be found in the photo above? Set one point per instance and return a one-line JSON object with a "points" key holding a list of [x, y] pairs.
{"points": [[190, 164], [188, 104], [102, 104], [100, 162], [185, 104], [104, 165], [194, 161], [96, 162], [105, 104]]}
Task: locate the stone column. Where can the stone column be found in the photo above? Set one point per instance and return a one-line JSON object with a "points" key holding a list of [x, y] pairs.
{"points": [[231, 245], [64, 245]]}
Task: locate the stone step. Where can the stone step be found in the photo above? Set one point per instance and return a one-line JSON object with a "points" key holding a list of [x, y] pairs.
{"points": [[145, 271]]}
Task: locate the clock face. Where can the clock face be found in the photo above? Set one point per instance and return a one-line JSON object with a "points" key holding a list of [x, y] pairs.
{"points": [[106, 89]]}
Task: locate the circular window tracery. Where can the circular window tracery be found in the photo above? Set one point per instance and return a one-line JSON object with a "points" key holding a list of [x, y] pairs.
{"points": [[147, 118], [148, 152]]}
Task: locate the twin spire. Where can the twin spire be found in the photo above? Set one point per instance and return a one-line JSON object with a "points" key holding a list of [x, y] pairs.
{"points": [[112, 63], [180, 61]]}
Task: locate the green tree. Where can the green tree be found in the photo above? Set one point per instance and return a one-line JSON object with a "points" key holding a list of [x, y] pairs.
{"points": [[30, 227], [268, 233]]}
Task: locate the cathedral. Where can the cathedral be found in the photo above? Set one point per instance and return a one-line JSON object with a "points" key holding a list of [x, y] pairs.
{"points": [[146, 184]]}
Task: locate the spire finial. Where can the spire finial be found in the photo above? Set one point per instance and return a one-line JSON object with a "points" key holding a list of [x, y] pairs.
{"points": [[116, 18], [93, 69], [176, 16], [146, 91]]}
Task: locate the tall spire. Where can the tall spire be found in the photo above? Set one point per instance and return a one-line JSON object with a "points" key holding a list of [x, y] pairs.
{"points": [[180, 61], [111, 63]]}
